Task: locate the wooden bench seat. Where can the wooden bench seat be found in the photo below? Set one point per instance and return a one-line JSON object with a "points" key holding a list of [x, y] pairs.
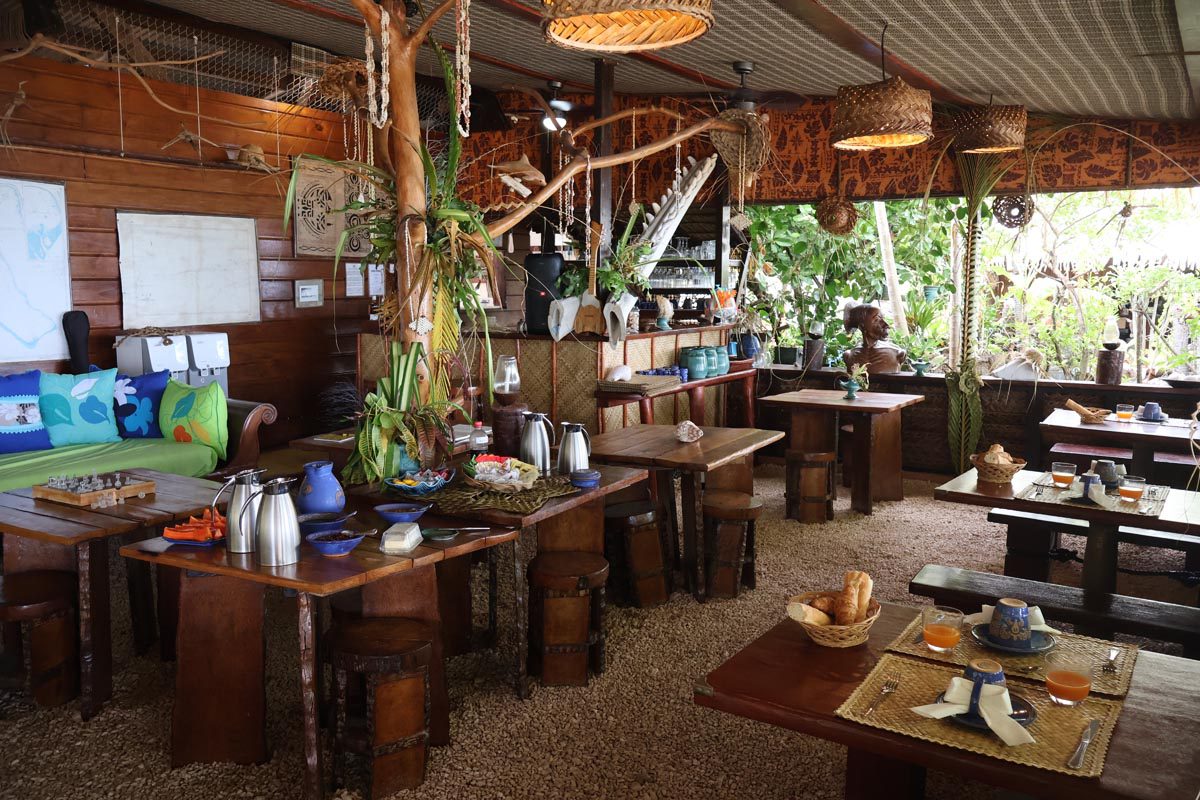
{"points": [[1032, 536], [968, 590], [1082, 455]]}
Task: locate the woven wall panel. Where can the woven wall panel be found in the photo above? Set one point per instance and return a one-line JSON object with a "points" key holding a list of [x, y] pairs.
{"points": [[577, 383], [712, 399], [536, 378], [664, 410], [610, 357], [637, 353], [614, 419], [664, 351], [710, 338], [688, 340]]}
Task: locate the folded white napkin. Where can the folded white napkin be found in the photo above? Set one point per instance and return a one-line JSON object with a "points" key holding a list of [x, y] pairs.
{"points": [[1036, 621], [994, 706]]}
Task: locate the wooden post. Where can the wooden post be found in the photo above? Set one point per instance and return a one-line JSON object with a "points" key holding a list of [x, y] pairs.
{"points": [[900, 319], [602, 183]]}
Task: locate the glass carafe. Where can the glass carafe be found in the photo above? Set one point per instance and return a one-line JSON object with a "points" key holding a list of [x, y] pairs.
{"points": [[508, 378]]}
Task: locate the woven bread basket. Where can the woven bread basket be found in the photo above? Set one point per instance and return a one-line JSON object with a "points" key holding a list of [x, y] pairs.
{"points": [[1094, 416], [838, 635], [504, 488], [996, 473]]}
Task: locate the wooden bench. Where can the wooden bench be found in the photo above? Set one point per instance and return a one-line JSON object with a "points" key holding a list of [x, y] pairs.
{"points": [[1174, 469], [1032, 536], [1101, 614], [1082, 455]]}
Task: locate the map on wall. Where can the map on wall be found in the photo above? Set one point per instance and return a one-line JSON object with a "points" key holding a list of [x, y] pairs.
{"points": [[320, 215], [35, 278]]}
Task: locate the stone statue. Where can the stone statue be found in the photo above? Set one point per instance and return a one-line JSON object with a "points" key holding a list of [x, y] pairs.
{"points": [[876, 352]]}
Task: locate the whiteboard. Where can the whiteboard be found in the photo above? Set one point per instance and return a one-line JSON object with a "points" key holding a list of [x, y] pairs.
{"points": [[35, 278], [186, 269]]}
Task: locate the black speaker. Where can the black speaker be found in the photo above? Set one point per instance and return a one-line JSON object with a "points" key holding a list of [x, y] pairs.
{"points": [[541, 288], [76, 327]]}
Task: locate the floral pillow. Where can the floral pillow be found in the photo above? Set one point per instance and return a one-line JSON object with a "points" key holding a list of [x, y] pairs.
{"points": [[195, 414], [78, 409], [136, 401], [21, 428]]}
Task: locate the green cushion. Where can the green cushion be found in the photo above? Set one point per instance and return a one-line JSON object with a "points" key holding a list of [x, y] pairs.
{"points": [[20, 470], [78, 409], [195, 414]]}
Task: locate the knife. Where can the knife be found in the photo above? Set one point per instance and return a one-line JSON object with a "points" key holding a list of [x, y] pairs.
{"points": [[1076, 760]]}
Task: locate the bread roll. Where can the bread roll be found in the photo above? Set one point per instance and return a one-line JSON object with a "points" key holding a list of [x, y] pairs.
{"points": [[825, 602], [802, 612], [865, 585], [846, 608]]}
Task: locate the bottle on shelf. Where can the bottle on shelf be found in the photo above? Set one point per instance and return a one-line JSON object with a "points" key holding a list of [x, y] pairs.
{"points": [[478, 440]]}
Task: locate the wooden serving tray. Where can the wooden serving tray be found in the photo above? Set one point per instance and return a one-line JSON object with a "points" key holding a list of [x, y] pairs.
{"points": [[85, 499]]}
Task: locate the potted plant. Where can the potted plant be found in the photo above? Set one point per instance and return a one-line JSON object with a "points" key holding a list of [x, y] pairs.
{"points": [[856, 379], [789, 349]]}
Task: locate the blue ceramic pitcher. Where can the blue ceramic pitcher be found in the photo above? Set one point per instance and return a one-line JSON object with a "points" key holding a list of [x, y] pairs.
{"points": [[320, 491]]}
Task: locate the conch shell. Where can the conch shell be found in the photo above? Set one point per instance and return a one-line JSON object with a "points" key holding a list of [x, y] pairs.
{"points": [[688, 431]]}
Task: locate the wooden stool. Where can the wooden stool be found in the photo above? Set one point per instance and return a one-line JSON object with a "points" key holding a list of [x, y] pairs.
{"points": [[393, 654], [37, 610], [566, 616], [634, 543], [810, 486], [729, 541]]}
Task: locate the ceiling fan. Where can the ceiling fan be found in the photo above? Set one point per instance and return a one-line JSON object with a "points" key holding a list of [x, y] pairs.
{"points": [[559, 105], [747, 99]]}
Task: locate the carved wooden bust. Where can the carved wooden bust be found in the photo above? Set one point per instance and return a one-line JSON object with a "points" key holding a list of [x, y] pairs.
{"points": [[876, 352]]}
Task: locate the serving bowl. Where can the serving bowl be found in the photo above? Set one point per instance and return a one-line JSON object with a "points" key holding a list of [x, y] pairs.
{"points": [[421, 483], [330, 547], [323, 521], [402, 512]]}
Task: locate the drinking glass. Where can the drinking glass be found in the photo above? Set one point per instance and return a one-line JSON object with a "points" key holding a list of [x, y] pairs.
{"points": [[1124, 411], [1068, 678], [942, 628], [1132, 488], [508, 379], [1063, 473]]}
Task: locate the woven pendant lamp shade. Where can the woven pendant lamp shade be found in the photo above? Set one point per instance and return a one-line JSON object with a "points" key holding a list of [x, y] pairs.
{"points": [[889, 113], [624, 26], [990, 129]]}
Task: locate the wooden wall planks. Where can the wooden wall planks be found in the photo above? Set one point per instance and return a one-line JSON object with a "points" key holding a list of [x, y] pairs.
{"points": [[288, 357]]}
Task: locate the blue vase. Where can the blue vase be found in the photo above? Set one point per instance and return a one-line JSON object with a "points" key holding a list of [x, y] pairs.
{"points": [[749, 345], [711, 355], [722, 360], [320, 491], [851, 386], [697, 364]]}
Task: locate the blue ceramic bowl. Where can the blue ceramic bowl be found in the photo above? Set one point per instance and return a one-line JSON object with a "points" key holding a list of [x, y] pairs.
{"points": [[421, 489], [335, 548], [585, 478], [402, 512], [322, 522]]}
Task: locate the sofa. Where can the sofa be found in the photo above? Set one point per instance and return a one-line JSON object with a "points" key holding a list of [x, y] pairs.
{"points": [[18, 470]]}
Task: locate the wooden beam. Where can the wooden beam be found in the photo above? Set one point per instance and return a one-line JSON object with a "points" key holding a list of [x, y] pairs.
{"points": [[602, 179], [849, 38], [1188, 14], [514, 8]]}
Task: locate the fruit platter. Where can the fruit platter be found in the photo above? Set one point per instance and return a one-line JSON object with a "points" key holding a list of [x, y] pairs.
{"points": [[420, 483], [500, 473]]}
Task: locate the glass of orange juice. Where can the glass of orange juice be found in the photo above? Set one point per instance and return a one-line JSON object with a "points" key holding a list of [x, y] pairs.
{"points": [[1132, 488], [943, 628], [1068, 678], [1124, 411], [1063, 473]]}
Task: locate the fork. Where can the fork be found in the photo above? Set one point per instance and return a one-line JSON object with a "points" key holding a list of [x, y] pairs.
{"points": [[1111, 664], [889, 686]]}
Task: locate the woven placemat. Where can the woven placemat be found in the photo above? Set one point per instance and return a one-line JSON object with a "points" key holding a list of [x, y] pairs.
{"points": [[648, 385], [1096, 650], [1043, 490], [458, 499], [1057, 728]]}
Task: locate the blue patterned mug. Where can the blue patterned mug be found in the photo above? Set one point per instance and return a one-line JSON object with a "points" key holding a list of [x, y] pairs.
{"points": [[1010, 623], [1151, 411], [981, 671]]}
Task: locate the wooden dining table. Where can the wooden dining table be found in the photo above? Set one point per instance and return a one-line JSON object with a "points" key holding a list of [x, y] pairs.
{"points": [[1143, 438], [1180, 514], [724, 455], [876, 456], [221, 601], [44, 534], [782, 678]]}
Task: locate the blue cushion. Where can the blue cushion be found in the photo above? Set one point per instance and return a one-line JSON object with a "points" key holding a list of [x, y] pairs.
{"points": [[136, 400], [78, 409], [21, 428]]}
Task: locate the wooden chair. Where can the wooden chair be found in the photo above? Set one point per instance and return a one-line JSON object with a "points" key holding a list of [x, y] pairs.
{"points": [[729, 545], [636, 546], [393, 655], [566, 616], [37, 611], [810, 486]]}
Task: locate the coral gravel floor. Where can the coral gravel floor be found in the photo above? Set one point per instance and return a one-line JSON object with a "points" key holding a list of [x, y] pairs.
{"points": [[632, 733]]}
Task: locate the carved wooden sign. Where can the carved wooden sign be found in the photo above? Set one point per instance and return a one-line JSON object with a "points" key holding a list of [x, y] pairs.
{"points": [[320, 211]]}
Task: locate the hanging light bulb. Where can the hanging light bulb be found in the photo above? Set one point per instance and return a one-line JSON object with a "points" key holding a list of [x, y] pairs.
{"points": [[555, 123], [889, 113]]}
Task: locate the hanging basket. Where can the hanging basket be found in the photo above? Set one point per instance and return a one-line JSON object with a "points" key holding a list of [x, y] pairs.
{"points": [[624, 26], [1013, 210], [889, 113], [744, 154], [990, 129], [837, 215]]}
